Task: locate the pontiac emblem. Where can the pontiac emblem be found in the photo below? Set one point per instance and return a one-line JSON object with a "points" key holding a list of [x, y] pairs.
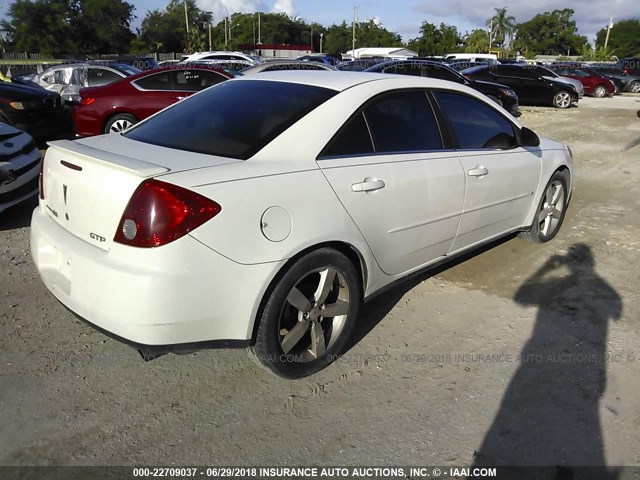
{"points": [[64, 193]]}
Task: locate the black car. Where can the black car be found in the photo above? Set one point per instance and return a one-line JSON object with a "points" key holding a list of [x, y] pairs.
{"points": [[625, 82], [37, 111], [531, 87], [360, 64], [500, 94], [630, 66]]}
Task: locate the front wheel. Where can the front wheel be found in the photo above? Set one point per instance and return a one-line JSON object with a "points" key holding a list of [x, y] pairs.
{"points": [[551, 211], [562, 99], [634, 87], [307, 318], [600, 91]]}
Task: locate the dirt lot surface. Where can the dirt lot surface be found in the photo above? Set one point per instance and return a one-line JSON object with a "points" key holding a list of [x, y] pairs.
{"points": [[523, 354]]}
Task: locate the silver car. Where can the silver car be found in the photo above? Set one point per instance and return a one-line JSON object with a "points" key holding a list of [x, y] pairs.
{"points": [[67, 80]]}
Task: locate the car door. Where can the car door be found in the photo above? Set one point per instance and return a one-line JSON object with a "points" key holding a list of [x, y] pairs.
{"points": [[500, 183], [155, 92], [404, 191]]}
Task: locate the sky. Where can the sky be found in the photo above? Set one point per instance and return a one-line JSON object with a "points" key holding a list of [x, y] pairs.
{"points": [[406, 16]]}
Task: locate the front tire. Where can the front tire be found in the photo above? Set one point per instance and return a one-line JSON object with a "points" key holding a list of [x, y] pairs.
{"points": [[562, 99], [551, 211], [634, 87], [600, 91], [119, 123], [308, 317]]}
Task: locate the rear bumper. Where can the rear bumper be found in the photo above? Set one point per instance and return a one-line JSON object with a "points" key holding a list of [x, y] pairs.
{"points": [[180, 293]]}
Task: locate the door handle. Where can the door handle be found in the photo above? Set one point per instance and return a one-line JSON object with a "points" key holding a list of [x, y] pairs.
{"points": [[478, 172], [369, 185]]}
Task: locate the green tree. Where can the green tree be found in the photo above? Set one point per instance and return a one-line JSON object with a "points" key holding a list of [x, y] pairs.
{"points": [[477, 41], [42, 26], [434, 40], [550, 33], [338, 39], [103, 26], [502, 25], [624, 38]]}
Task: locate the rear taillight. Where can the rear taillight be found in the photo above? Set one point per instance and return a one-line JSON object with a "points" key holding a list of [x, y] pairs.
{"points": [[159, 213], [41, 179], [87, 100]]}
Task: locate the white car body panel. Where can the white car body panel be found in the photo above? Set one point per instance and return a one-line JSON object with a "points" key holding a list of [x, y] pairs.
{"points": [[208, 285]]}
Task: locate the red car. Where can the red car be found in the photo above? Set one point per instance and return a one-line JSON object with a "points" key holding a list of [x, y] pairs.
{"points": [[115, 107], [594, 83]]}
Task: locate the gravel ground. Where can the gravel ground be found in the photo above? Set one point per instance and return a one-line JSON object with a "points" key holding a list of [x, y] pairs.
{"points": [[521, 354]]}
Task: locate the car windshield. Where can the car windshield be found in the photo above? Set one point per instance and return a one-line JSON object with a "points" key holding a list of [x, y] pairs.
{"points": [[234, 119]]}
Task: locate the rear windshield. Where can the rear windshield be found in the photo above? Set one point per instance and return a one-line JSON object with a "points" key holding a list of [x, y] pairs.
{"points": [[233, 119]]}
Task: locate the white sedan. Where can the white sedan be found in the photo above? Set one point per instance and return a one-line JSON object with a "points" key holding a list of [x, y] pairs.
{"points": [[261, 212]]}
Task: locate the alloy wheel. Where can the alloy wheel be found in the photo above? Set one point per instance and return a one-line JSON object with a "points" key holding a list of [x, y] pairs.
{"points": [[562, 99], [314, 314], [120, 125], [550, 212]]}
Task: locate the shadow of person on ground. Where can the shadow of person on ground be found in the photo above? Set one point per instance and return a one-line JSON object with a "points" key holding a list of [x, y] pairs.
{"points": [[549, 414]]}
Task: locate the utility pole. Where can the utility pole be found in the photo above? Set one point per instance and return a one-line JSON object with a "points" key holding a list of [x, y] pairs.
{"points": [[606, 40], [253, 23], [321, 36], [226, 38], [186, 23], [490, 34], [311, 39], [353, 36], [259, 42], [210, 33]]}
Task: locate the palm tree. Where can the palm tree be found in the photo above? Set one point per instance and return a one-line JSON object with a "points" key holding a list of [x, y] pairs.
{"points": [[501, 26]]}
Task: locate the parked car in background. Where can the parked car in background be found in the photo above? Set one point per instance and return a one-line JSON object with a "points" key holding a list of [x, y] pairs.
{"points": [[626, 82], [67, 80], [360, 64], [261, 212], [19, 166], [222, 55], [117, 106], [460, 65], [594, 83], [532, 88], [501, 94], [279, 65], [630, 66], [233, 67], [326, 59], [141, 63], [544, 72], [37, 111]]}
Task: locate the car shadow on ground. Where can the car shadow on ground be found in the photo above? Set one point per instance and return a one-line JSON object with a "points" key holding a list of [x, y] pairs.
{"points": [[377, 308], [18, 216], [549, 415]]}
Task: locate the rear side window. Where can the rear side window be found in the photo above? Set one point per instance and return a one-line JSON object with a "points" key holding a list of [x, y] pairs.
{"points": [[195, 80], [98, 77], [157, 81], [234, 119], [403, 122], [473, 123], [352, 139]]}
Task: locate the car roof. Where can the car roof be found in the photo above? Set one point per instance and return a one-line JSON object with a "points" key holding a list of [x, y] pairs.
{"points": [[340, 81], [177, 67]]}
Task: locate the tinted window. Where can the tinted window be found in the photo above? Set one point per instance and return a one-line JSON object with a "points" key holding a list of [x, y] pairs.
{"points": [[403, 122], [352, 139], [158, 81], [472, 122], [234, 119], [98, 77], [195, 80]]}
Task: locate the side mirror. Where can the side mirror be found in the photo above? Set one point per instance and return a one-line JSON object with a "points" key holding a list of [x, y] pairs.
{"points": [[528, 138]]}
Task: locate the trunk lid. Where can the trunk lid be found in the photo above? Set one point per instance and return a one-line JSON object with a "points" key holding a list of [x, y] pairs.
{"points": [[88, 184]]}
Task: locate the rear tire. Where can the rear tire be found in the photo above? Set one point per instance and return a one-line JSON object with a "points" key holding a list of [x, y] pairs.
{"points": [[551, 210], [562, 99], [600, 91], [294, 339], [119, 123]]}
